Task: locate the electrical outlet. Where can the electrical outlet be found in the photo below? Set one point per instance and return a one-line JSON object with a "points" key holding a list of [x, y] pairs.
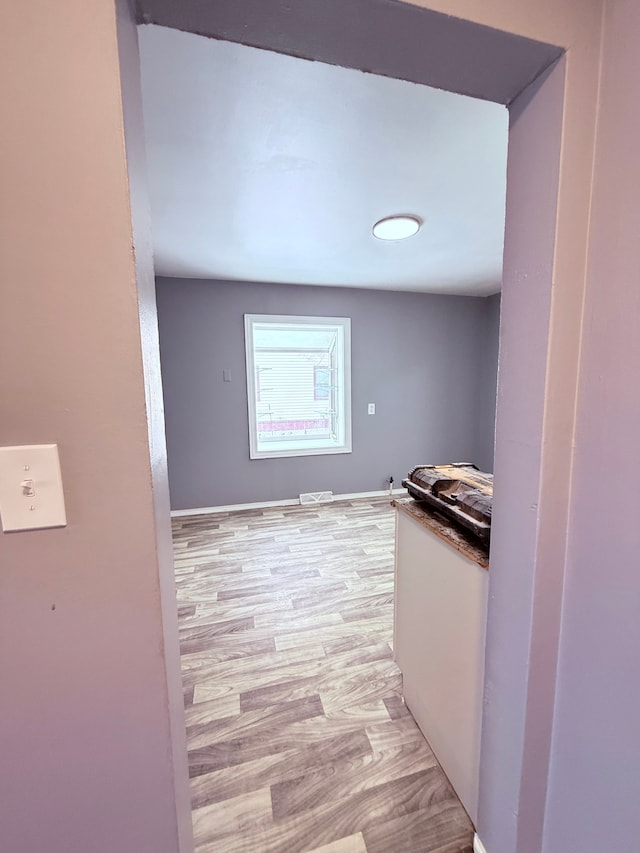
{"points": [[371, 409]]}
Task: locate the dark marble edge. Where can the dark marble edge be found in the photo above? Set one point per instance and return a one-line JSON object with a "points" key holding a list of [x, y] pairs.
{"points": [[442, 528]]}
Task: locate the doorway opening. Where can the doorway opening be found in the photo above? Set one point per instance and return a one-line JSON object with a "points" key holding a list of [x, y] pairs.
{"points": [[306, 175], [544, 101]]}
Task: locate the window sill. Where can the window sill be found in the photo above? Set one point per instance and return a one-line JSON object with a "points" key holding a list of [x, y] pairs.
{"points": [[279, 452]]}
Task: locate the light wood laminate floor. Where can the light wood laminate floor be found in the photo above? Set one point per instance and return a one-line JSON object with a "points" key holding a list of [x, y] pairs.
{"points": [[298, 736]]}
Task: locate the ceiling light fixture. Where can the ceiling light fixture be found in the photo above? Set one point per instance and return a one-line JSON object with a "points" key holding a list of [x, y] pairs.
{"points": [[397, 227]]}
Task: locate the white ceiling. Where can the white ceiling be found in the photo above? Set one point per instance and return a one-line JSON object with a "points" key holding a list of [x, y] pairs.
{"points": [[265, 167]]}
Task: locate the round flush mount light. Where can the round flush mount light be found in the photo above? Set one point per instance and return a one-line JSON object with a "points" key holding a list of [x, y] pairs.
{"points": [[397, 227]]}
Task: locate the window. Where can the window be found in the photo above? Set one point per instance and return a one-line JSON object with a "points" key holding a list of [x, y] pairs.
{"points": [[299, 385], [321, 382]]}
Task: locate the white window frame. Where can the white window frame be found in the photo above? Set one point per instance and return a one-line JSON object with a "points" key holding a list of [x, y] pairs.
{"points": [[343, 383]]}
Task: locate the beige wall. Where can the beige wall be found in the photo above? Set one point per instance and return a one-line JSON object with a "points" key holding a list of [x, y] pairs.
{"points": [[570, 24], [87, 757], [87, 727], [594, 788]]}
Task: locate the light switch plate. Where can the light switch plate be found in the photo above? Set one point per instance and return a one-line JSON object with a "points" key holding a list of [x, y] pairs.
{"points": [[31, 496]]}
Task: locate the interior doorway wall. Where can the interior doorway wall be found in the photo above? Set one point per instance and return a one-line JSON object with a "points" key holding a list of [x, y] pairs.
{"points": [[537, 369], [67, 242]]}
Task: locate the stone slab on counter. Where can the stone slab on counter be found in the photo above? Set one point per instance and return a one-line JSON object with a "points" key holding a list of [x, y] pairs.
{"points": [[442, 527]]}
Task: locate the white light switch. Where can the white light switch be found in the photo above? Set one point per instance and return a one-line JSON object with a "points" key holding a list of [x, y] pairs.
{"points": [[371, 409], [31, 494]]}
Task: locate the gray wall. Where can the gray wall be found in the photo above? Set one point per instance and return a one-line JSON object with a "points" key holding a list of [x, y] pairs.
{"points": [[486, 388], [414, 355]]}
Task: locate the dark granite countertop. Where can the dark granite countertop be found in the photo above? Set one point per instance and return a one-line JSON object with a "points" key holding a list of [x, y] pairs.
{"points": [[464, 542]]}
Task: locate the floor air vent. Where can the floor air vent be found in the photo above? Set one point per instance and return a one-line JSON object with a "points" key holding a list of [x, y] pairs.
{"points": [[316, 498]]}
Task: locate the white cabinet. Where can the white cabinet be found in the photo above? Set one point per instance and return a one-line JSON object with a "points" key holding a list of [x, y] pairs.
{"points": [[439, 640]]}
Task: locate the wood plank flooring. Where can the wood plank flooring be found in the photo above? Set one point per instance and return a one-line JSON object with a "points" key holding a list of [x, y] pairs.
{"points": [[298, 736]]}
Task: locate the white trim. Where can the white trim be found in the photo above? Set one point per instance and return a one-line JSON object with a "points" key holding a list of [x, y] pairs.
{"points": [[478, 846], [314, 447], [207, 510], [355, 495]]}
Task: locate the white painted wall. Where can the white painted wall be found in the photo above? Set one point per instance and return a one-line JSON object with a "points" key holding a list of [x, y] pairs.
{"points": [[241, 141], [440, 620]]}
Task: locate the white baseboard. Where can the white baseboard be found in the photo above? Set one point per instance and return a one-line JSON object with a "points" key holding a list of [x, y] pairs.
{"points": [[478, 846], [207, 510], [355, 495]]}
